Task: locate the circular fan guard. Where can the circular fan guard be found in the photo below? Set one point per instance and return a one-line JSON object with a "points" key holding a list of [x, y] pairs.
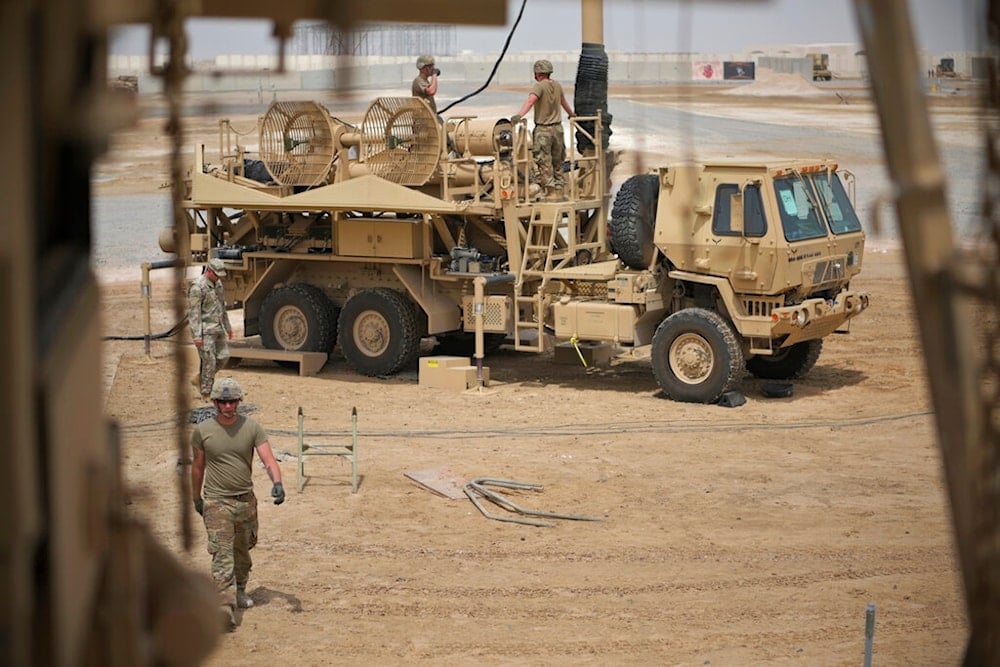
{"points": [[296, 143], [401, 140]]}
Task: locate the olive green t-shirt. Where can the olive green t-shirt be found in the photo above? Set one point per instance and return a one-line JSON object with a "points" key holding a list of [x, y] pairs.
{"points": [[548, 108], [419, 89], [228, 455]]}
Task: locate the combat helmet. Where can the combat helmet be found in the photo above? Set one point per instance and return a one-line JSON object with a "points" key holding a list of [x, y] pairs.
{"points": [[218, 267], [226, 389], [542, 67], [424, 61]]}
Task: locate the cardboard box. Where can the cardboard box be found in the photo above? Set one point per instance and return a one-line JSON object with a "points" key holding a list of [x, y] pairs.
{"points": [[457, 378], [431, 367], [595, 354]]}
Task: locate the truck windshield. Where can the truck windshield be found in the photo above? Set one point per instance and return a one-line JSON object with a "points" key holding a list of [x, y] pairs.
{"points": [[799, 218], [836, 204]]}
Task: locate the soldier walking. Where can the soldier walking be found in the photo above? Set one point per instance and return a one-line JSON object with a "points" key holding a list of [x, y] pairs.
{"points": [[548, 146], [209, 323], [222, 490]]}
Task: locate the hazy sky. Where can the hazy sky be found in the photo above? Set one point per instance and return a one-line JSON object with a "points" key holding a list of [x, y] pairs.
{"points": [[706, 26]]}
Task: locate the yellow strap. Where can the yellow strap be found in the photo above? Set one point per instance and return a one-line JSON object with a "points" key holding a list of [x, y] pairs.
{"points": [[576, 347]]}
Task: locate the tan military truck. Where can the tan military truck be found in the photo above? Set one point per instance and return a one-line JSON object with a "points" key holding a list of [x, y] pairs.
{"points": [[372, 237], [736, 264], [821, 66]]}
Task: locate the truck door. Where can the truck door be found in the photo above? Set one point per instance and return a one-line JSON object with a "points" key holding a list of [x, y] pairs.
{"points": [[745, 249]]}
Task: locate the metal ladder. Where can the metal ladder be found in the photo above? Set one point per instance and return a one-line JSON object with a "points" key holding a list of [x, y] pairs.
{"points": [[545, 249]]}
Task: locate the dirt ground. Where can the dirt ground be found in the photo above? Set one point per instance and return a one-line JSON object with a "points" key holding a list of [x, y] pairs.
{"points": [[751, 535]]}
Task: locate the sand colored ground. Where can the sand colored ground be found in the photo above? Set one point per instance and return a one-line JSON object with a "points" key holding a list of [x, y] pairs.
{"points": [[754, 535]]}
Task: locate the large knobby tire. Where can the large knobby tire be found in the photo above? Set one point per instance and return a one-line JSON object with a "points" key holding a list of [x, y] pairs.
{"points": [[379, 332], [298, 317], [790, 362], [696, 356], [633, 220]]}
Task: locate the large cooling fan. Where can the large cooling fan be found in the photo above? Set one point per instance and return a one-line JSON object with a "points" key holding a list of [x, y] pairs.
{"points": [[296, 143], [401, 140]]}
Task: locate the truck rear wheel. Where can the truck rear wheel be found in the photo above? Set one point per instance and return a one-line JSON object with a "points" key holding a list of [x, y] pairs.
{"points": [[379, 334], [790, 362], [297, 317], [696, 356], [633, 219]]}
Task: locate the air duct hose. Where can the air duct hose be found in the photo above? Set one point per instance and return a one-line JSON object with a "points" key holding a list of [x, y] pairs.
{"points": [[591, 94]]}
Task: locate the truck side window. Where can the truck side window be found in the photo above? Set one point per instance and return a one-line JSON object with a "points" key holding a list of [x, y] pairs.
{"points": [[754, 223]]}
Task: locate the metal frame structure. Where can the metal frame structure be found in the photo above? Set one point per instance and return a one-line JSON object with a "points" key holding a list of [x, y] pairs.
{"points": [[349, 452]]}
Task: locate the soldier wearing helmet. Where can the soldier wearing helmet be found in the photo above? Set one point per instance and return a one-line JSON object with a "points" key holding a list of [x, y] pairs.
{"points": [[222, 490], [548, 145], [209, 323], [425, 86]]}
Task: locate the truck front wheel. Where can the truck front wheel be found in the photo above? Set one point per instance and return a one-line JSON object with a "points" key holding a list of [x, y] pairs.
{"points": [[297, 317], [379, 333], [696, 356], [790, 362]]}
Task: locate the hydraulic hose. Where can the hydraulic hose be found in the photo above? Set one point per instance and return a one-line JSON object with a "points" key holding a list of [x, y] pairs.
{"points": [[172, 331], [496, 65]]}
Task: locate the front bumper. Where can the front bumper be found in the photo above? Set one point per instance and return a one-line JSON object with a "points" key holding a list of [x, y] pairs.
{"points": [[816, 318]]}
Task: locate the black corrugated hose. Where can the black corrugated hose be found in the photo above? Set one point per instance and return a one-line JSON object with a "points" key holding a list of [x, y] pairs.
{"points": [[591, 94]]}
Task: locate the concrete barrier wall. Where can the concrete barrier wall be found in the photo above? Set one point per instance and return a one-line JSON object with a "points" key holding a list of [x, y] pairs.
{"points": [[257, 74], [800, 66]]}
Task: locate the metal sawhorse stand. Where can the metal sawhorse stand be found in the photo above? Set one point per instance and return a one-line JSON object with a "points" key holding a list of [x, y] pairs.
{"points": [[350, 452]]}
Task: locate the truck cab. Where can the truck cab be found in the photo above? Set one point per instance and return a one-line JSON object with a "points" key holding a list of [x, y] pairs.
{"points": [[753, 261]]}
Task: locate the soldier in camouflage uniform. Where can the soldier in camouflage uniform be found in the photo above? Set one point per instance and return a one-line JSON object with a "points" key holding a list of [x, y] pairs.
{"points": [[209, 322], [222, 490], [548, 145]]}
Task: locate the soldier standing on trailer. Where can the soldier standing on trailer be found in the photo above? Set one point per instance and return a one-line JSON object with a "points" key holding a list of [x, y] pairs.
{"points": [[425, 85], [548, 145], [209, 323], [222, 490]]}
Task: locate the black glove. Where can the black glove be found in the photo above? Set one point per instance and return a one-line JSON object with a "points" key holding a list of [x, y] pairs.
{"points": [[437, 72], [199, 506], [278, 493]]}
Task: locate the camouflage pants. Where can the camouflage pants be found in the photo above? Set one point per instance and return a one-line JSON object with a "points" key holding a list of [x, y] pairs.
{"points": [[214, 353], [548, 149], [232, 532]]}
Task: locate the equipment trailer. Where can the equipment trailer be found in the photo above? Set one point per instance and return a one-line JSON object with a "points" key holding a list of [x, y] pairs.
{"points": [[372, 237]]}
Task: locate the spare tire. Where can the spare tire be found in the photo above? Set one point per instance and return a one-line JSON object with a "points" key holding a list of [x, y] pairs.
{"points": [[633, 219]]}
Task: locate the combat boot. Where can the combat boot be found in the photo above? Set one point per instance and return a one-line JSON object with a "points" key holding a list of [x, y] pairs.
{"points": [[243, 601], [228, 618], [554, 194]]}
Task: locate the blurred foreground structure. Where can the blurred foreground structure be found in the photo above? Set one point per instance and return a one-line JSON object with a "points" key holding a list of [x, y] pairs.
{"points": [[85, 585]]}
